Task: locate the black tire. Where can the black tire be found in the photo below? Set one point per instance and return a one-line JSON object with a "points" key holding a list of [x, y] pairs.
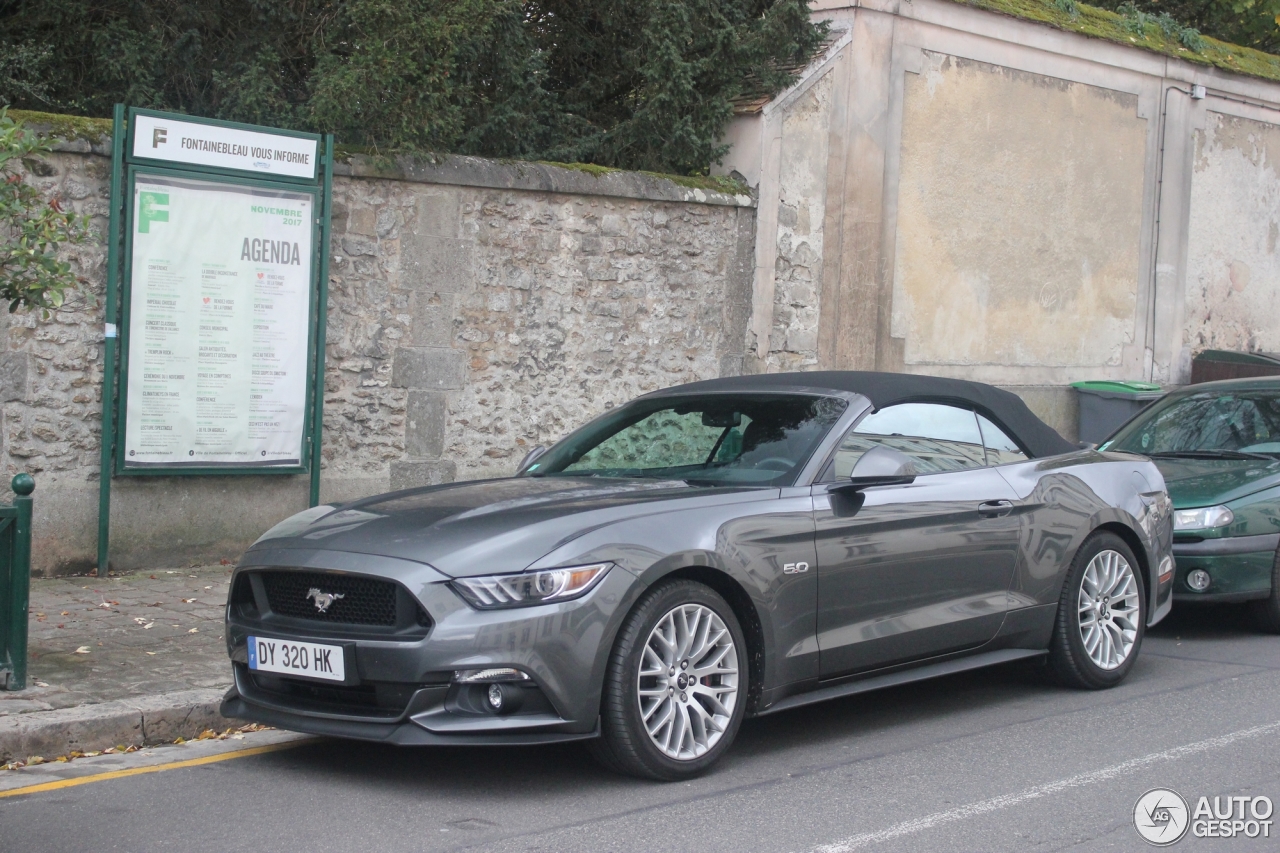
{"points": [[625, 745], [1266, 612], [1069, 659]]}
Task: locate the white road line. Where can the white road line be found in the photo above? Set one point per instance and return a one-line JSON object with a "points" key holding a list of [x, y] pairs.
{"points": [[910, 827]]}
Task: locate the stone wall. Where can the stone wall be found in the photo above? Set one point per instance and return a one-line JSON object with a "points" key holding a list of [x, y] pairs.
{"points": [[476, 310]]}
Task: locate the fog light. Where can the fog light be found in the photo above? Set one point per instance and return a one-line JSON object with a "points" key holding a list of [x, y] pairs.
{"points": [[504, 698], [1198, 579]]}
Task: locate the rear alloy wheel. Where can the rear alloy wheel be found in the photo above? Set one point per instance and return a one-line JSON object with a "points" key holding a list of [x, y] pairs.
{"points": [[1101, 615], [1266, 613], [675, 692]]}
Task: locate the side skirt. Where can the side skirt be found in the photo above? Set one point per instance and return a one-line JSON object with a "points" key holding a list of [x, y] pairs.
{"points": [[905, 676]]}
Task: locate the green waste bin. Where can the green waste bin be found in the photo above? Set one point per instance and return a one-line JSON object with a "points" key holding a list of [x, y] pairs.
{"points": [[1106, 404]]}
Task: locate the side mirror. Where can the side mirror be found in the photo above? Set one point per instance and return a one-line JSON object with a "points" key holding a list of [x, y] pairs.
{"points": [[529, 458], [879, 466]]}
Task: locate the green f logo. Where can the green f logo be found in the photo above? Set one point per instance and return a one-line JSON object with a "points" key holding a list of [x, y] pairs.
{"points": [[151, 208]]}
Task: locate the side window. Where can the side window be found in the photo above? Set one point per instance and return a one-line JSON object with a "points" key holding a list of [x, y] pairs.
{"points": [[939, 438], [1000, 448]]}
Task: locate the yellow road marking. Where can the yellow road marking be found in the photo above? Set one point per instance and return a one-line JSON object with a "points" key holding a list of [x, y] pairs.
{"points": [[153, 768]]}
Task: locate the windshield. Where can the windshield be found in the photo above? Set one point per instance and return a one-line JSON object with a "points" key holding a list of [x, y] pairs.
{"points": [[714, 439], [1210, 423]]}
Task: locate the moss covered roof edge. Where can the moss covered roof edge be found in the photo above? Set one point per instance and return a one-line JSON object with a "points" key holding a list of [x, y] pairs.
{"points": [[1101, 24], [93, 135]]}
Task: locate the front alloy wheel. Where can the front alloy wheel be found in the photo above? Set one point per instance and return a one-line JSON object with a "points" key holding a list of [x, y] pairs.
{"points": [[1101, 615], [688, 682], [676, 685]]}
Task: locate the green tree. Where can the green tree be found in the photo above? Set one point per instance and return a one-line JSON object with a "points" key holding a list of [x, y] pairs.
{"points": [[643, 84], [32, 228]]}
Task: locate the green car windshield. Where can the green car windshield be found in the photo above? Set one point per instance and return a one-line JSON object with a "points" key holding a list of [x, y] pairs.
{"points": [[715, 440], [1206, 423]]}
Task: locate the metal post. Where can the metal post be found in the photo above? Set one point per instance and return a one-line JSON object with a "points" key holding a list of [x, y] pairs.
{"points": [[20, 578], [109, 345], [322, 320]]}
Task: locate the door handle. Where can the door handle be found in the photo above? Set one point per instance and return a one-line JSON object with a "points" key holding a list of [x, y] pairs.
{"points": [[995, 509]]}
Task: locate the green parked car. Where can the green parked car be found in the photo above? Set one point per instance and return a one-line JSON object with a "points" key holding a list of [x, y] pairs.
{"points": [[1218, 446]]}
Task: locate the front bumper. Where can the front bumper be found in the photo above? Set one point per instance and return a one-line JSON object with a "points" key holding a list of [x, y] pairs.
{"points": [[408, 732], [1239, 567], [399, 687]]}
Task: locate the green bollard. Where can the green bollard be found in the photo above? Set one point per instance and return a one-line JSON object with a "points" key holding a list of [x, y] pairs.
{"points": [[15, 584]]}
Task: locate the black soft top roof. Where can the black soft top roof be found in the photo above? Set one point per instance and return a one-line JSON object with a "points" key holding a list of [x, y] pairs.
{"points": [[885, 389]]}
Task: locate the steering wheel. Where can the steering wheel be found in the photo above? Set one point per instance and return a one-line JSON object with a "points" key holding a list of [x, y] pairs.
{"points": [[774, 463]]}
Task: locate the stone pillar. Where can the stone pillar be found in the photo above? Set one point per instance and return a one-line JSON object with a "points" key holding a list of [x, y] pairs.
{"points": [[436, 264]]}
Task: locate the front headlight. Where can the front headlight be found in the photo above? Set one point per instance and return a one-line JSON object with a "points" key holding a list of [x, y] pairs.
{"points": [[1202, 518], [529, 588]]}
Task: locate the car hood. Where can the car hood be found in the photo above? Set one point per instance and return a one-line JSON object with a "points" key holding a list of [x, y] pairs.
{"points": [[1207, 482], [487, 526]]}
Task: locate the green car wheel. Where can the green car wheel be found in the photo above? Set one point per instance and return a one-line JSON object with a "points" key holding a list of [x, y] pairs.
{"points": [[1266, 612]]}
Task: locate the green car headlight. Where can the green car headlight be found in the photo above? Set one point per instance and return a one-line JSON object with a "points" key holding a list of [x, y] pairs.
{"points": [[529, 588], [1202, 518]]}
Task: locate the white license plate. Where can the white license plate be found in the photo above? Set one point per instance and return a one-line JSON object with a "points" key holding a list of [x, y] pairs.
{"points": [[291, 657]]}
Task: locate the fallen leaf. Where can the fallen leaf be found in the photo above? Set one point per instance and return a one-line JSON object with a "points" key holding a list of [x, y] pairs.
{"points": [[224, 562], [208, 587], [38, 683], [65, 613], [139, 620], [148, 625], [188, 601], [170, 573], [150, 653], [105, 606], [194, 631], [59, 624], [34, 760], [153, 577], [39, 615], [181, 740], [83, 650]]}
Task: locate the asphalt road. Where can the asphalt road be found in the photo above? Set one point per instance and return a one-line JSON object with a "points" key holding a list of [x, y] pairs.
{"points": [[989, 761]]}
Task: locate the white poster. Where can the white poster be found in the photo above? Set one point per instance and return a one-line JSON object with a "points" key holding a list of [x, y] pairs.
{"points": [[219, 305]]}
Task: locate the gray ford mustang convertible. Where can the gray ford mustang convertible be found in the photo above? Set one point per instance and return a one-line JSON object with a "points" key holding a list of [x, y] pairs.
{"points": [[722, 549]]}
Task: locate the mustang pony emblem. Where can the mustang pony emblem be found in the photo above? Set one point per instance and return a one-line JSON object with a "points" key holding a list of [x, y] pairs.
{"points": [[324, 599]]}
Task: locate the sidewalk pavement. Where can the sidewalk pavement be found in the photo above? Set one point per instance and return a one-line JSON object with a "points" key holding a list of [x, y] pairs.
{"points": [[120, 661]]}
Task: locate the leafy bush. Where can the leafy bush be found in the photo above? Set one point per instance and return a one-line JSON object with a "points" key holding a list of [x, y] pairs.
{"points": [[32, 228]]}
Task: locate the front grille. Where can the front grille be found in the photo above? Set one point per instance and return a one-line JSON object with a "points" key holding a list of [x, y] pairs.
{"points": [[364, 601]]}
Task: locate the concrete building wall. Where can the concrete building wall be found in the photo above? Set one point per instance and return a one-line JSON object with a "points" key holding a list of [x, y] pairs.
{"points": [[1233, 269], [476, 310], [1012, 203], [1019, 220]]}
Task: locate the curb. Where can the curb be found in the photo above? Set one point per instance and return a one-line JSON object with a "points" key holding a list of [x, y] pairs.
{"points": [[139, 721]]}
